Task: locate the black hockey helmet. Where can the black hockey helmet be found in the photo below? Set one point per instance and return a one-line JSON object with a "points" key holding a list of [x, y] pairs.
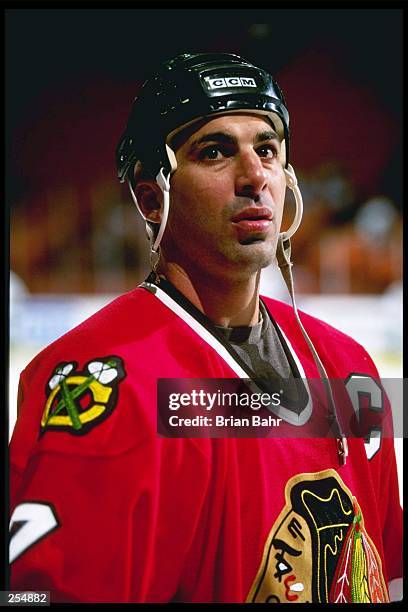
{"points": [[187, 89]]}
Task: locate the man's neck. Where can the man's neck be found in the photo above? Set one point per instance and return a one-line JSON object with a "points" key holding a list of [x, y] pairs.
{"points": [[228, 304]]}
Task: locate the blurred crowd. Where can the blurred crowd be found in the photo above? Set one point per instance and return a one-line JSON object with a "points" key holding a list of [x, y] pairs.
{"points": [[343, 245]]}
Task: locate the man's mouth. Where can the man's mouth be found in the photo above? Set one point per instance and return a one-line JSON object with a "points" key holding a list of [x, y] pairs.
{"points": [[253, 219]]}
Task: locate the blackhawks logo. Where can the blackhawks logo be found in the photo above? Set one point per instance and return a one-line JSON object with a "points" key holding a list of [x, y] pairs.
{"points": [[318, 550], [79, 400]]}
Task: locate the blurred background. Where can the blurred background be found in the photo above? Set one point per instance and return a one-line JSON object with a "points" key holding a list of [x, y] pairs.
{"points": [[76, 238]]}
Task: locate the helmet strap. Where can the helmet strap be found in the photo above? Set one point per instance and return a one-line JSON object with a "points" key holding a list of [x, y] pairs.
{"points": [[154, 262], [164, 184], [291, 182]]}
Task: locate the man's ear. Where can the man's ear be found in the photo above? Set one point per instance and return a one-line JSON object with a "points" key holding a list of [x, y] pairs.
{"points": [[150, 199]]}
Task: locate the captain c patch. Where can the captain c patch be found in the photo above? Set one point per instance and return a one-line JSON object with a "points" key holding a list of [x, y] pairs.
{"points": [[318, 550], [77, 400]]}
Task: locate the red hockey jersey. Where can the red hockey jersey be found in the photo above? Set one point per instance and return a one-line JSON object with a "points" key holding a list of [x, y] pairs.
{"points": [[105, 510]]}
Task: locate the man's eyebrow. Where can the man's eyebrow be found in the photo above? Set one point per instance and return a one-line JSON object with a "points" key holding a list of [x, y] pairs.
{"points": [[267, 135], [229, 139], [214, 137]]}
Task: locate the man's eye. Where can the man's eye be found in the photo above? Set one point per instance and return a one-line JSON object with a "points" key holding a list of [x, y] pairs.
{"points": [[268, 151], [212, 152]]}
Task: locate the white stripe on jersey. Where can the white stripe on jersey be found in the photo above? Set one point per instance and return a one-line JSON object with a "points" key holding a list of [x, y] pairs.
{"points": [[288, 415]]}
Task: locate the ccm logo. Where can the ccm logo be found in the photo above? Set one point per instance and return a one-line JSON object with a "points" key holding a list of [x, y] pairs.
{"points": [[217, 83]]}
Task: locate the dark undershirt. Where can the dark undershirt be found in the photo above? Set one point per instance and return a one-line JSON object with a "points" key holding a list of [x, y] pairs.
{"points": [[259, 347]]}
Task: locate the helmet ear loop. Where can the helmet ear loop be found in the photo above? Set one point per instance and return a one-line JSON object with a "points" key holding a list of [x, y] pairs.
{"points": [[155, 250], [164, 184], [291, 182], [154, 246]]}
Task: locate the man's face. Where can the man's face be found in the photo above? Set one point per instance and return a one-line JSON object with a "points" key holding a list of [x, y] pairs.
{"points": [[226, 197]]}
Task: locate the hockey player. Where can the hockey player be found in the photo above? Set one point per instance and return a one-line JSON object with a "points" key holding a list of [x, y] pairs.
{"points": [[104, 509]]}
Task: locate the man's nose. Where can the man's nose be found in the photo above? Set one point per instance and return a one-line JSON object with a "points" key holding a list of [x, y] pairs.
{"points": [[251, 177]]}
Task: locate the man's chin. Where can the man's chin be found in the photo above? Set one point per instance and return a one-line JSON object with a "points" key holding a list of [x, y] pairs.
{"points": [[257, 254]]}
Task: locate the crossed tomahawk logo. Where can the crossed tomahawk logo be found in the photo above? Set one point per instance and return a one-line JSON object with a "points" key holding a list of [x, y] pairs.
{"points": [[77, 400]]}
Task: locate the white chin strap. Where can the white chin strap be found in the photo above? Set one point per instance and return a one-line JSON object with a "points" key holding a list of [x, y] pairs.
{"points": [[291, 182], [164, 184]]}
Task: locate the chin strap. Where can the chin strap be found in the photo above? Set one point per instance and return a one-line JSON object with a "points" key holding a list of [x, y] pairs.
{"points": [[291, 182], [283, 256], [164, 184]]}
